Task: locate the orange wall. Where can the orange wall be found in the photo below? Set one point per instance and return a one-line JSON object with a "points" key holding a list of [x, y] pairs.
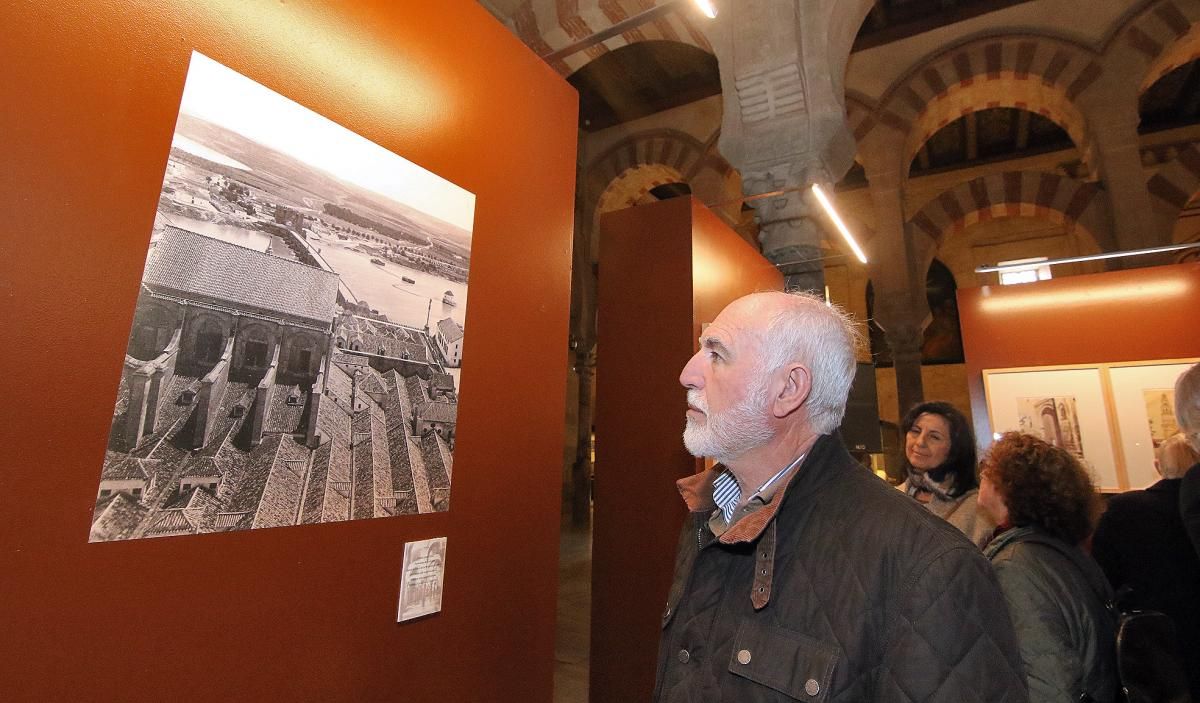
{"points": [[89, 94], [665, 268], [1144, 313]]}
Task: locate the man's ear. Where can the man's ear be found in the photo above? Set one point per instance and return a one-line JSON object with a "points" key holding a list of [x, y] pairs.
{"points": [[797, 384]]}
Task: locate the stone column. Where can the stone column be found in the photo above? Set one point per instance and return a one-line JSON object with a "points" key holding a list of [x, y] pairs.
{"points": [[782, 64], [1112, 114], [905, 343], [899, 260]]}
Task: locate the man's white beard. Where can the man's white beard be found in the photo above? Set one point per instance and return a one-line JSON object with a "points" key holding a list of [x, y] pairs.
{"points": [[728, 434]]}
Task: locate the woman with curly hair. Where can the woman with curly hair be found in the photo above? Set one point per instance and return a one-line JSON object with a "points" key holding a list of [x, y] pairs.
{"points": [[1045, 505], [939, 467]]}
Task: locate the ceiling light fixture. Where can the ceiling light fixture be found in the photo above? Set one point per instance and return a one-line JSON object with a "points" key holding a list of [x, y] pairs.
{"points": [[995, 268], [837, 221], [707, 8]]}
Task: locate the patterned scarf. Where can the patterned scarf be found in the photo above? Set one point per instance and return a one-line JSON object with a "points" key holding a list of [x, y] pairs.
{"points": [[919, 481]]}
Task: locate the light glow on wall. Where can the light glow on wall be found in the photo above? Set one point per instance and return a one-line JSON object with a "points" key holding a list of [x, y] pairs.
{"points": [[706, 7], [1015, 300]]}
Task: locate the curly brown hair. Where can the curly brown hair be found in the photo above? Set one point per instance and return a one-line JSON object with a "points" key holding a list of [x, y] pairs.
{"points": [[1043, 485]]}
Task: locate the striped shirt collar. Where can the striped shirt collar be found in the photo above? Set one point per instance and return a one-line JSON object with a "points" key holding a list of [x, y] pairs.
{"points": [[727, 494]]}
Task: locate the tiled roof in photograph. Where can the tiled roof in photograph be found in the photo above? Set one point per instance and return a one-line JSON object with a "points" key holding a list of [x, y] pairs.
{"points": [[118, 519], [285, 484], [416, 390], [439, 412], [193, 265], [437, 459], [314, 495], [204, 467], [252, 478], [170, 522], [450, 330], [282, 417], [122, 467], [441, 382]]}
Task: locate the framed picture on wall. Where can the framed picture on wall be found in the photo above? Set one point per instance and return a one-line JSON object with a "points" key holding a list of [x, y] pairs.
{"points": [[1143, 400], [421, 578], [1063, 405]]}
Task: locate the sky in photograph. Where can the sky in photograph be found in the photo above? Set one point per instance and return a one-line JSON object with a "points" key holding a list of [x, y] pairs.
{"points": [[224, 97]]}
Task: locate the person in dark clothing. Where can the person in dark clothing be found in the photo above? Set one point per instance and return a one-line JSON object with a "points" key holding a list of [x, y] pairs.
{"points": [[1044, 505], [800, 575], [1140, 543], [1187, 413]]}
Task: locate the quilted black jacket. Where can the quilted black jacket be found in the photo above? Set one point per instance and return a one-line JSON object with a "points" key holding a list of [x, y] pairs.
{"points": [[862, 595]]}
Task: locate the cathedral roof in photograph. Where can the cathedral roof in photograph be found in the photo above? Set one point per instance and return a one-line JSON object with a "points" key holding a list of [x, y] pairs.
{"points": [[197, 267], [450, 330]]}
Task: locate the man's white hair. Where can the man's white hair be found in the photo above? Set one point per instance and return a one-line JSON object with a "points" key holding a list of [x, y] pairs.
{"points": [[1187, 405], [823, 338]]}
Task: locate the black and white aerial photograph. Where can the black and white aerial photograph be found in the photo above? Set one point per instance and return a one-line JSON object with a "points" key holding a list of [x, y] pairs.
{"points": [[297, 339]]}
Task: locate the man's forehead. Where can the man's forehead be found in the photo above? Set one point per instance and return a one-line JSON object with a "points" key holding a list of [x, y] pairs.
{"points": [[740, 321]]}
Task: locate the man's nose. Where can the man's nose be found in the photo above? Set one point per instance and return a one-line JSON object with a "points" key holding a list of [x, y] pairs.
{"points": [[691, 377]]}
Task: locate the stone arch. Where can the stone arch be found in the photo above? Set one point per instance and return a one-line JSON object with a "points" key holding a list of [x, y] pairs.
{"points": [[633, 186], [1077, 205], [1160, 37], [678, 151], [1175, 185], [1037, 73], [255, 345], [301, 351], [548, 26], [623, 174], [205, 336]]}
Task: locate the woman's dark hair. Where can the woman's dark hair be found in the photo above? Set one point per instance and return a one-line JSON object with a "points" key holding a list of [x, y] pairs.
{"points": [[961, 460], [1043, 485]]}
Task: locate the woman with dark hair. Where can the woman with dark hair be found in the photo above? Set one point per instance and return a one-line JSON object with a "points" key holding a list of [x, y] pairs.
{"points": [[939, 467], [1045, 505]]}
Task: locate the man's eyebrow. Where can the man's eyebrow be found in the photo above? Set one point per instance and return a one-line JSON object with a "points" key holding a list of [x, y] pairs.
{"points": [[714, 343]]}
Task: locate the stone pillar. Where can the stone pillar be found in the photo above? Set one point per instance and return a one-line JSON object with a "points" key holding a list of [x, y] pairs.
{"points": [[789, 233], [1112, 114], [782, 64], [899, 261], [905, 343]]}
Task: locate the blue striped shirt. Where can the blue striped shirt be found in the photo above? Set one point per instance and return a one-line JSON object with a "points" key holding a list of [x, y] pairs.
{"points": [[727, 494]]}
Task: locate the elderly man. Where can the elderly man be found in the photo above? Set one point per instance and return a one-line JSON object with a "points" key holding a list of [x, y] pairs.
{"points": [[1187, 413], [800, 575]]}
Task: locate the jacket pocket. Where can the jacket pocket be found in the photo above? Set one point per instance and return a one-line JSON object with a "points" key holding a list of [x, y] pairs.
{"points": [[783, 660]]}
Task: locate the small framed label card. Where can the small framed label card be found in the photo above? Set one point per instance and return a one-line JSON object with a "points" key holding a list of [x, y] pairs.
{"points": [[421, 578]]}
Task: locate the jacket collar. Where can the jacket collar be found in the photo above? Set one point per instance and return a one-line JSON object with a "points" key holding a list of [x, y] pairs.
{"points": [[758, 527]]}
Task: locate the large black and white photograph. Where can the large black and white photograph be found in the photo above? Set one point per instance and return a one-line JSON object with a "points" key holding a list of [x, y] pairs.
{"points": [[297, 339]]}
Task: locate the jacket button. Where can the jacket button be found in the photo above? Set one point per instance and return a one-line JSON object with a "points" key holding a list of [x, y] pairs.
{"points": [[811, 687], [743, 657], [684, 656]]}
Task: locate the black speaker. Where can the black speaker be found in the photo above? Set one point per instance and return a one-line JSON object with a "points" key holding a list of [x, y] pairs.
{"points": [[860, 427]]}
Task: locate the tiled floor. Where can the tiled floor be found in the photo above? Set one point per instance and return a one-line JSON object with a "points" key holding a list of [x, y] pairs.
{"points": [[571, 643]]}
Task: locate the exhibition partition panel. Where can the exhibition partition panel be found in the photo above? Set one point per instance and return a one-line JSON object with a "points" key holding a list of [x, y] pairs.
{"points": [[90, 95], [1134, 315], [665, 270]]}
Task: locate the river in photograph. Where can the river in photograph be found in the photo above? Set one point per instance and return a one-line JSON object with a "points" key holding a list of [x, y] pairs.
{"points": [[384, 289]]}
